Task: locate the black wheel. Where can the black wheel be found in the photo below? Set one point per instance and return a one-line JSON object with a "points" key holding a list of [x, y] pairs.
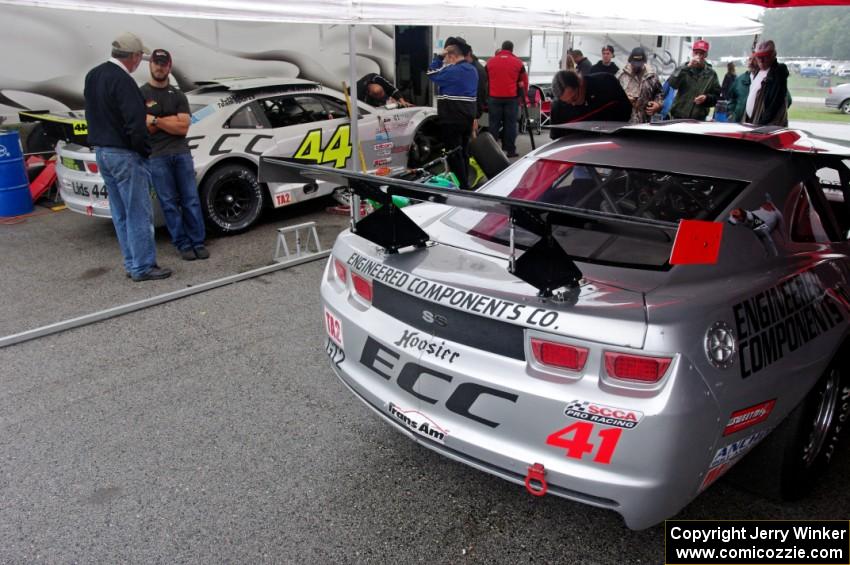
{"points": [[231, 198], [425, 148], [798, 452], [815, 429], [342, 196], [490, 157], [845, 106]]}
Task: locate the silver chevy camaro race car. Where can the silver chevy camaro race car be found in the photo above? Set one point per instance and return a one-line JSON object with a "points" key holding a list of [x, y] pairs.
{"points": [[236, 120], [615, 319]]}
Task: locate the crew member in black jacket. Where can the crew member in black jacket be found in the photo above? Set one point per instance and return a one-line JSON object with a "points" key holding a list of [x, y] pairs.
{"points": [[576, 98], [115, 112]]}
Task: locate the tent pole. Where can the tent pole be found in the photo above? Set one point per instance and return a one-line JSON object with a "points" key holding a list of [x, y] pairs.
{"points": [[355, 120]]}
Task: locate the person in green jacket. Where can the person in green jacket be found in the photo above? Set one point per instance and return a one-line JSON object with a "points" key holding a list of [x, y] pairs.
{"points": [[741, 89], [739, 92], [696, 84]]}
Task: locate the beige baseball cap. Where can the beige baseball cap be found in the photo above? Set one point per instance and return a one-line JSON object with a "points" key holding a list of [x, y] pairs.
{"points": [[129, 43]]}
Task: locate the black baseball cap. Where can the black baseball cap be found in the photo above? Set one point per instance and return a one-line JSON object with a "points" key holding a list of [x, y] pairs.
{"points": [[638, 55], [161, 57]]}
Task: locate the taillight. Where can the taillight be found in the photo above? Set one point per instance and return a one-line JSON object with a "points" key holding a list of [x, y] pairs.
{"points": [[829, 91], [559, 355], [341, 271], [362, 286], [91, 166], [636, 367]]}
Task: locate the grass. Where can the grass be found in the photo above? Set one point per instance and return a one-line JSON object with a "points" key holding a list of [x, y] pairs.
{"points": [[815, 113]]}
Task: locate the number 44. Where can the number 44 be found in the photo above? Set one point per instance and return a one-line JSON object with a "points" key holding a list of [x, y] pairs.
{"points": [[337, 151], [576, 440]]}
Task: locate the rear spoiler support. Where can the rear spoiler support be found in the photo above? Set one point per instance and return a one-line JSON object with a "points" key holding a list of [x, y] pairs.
{"points": [[545, 265]]}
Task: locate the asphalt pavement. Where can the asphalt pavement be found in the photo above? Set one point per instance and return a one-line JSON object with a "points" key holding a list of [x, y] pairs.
{"points": [[212, 430]]}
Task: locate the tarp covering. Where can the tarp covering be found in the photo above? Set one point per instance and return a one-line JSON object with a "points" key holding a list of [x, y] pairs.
{"points": [[789, 3], [682, 17]]}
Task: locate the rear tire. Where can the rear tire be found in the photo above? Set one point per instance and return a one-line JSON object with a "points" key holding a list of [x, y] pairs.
{"points": [[232, 199], [821, 421], [845, 106], [794, 457]]}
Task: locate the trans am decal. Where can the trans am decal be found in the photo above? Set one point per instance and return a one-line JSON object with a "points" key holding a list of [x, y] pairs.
{"points": [[782, 319], [417, 422], [460, 299]]}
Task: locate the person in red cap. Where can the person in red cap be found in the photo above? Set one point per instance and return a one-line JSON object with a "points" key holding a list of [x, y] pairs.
{"points": [[766, 99], [697, 85]]}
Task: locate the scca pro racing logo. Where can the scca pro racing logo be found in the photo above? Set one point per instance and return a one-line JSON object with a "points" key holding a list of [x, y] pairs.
{"points": [[601, 414]]}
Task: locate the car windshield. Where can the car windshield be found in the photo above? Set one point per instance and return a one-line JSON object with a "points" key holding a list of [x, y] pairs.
{"points": [[638, 193]]}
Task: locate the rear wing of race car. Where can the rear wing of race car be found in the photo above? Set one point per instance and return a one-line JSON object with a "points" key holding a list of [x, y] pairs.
{"points": [[546, 265], [66, 127]]}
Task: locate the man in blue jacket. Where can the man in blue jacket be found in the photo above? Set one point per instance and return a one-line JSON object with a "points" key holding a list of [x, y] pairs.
{"points": [[115, 112], [457, 82]]}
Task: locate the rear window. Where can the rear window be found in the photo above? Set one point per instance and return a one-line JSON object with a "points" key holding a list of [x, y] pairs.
{"points": [[637, 193]]}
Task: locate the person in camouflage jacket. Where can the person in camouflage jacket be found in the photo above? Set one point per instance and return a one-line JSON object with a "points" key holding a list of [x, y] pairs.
{"points": [[642, 86]]}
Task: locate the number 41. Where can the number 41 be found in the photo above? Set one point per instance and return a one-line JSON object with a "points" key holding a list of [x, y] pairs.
{"points": [[576, 440]]}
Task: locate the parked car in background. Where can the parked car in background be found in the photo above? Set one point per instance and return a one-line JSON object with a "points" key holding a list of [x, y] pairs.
{"points": [[843, 72], [234, 121], [813, 72], [839, 97]]}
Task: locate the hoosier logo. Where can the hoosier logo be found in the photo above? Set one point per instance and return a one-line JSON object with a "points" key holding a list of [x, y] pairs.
{"points": [[601, 414]]}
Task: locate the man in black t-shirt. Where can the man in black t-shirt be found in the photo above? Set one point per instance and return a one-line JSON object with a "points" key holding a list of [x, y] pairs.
{"points": [[171, 164]]}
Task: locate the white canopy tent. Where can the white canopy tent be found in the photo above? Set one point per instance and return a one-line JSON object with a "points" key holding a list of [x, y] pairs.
{"points": [[682, 17]]}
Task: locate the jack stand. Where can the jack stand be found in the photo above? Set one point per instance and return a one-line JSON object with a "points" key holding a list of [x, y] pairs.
{"points": [[304, 234]]}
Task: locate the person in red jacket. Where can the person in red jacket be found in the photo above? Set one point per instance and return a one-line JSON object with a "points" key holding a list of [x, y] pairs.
{"points": [[508, 82]]}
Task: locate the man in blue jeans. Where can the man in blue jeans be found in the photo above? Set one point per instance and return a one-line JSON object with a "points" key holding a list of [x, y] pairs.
{"points": [[115, 111], [508, 85], [171, 165]]}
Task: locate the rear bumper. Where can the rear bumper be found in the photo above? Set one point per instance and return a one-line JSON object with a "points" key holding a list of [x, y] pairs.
{"points": [[77, 200], [657, 466], [77, 191]]}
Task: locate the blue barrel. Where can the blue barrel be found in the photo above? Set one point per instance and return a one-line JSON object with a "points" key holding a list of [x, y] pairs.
{"points": [[15, 198]]}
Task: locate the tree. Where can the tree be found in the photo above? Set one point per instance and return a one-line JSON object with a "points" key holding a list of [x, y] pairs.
{"points": [[797, 32]]}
